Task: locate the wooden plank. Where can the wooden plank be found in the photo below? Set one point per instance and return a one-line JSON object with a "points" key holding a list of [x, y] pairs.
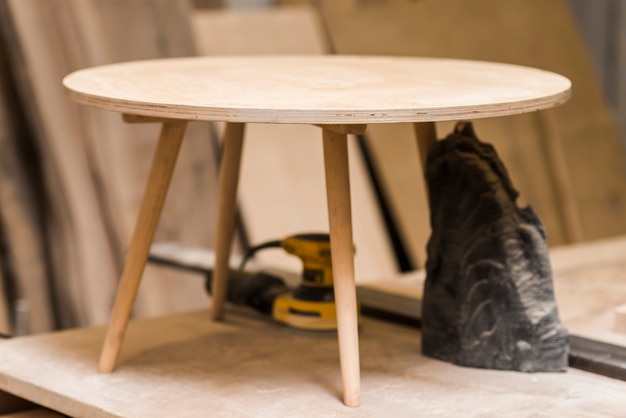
{"points": [[179, 366], [20, 216], [63, 168], [529, 33], [12, 404], [95, 166], [320, 90], [142, 29]]}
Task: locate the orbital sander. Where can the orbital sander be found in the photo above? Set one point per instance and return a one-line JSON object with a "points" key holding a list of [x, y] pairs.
{"points": [[311, 305]]}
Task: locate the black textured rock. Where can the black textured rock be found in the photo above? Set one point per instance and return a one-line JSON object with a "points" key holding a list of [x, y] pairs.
{"points": [[488, 297]]}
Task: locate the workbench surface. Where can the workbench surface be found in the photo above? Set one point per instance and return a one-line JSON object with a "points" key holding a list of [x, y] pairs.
{"points": [[187, 365]]}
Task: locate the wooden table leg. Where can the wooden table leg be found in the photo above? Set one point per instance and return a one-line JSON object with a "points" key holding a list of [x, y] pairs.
{"points": [[227, 201], [159, 178], [342, 250], [426, 134]]}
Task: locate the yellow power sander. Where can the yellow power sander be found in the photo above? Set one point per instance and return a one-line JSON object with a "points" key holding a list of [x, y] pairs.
{"points": [[310, 306]]}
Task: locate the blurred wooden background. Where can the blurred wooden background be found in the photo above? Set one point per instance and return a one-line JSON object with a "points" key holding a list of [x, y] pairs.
{"points": [[71, 178], [603, 26]]}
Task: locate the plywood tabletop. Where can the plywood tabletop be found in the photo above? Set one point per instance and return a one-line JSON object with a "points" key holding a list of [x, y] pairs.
{"points": [[317, 89]]}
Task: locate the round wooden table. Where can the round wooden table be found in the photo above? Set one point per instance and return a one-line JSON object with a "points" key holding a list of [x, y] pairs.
{"points": [[341, 94]]}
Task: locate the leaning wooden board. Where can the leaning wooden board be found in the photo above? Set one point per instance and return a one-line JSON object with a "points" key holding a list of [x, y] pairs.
{"points": [[23, 256], [567, 163], [94, 165], [177, 366]]}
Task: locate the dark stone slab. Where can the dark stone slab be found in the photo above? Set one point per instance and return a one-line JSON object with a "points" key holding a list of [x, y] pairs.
{"points": [[488, 297]]}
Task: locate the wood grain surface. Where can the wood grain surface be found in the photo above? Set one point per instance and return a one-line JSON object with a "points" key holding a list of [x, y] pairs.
{"points": [[317, 89], [189, 366], [21, 214], [342, 249]]}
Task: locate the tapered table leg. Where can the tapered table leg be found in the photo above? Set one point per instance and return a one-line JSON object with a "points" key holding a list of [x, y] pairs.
{"points": [[227, 201], [159, 178], [425, 135], [342, 250]]}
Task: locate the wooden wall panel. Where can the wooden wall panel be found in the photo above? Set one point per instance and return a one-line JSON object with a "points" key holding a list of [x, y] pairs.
{"points": [[94, 165], [5, 322], [603, 26], [569, 154], [280, 30], [22, 254]]}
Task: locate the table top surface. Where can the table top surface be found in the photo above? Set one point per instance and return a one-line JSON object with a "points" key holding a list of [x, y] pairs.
{"points": [[324, 89]]}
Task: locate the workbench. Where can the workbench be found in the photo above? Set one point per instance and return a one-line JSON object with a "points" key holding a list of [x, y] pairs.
{"points": [[189, 365]]}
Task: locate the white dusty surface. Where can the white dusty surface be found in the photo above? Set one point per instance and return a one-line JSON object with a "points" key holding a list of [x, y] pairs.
{"points": [[590, 287], [188, 366], [322, 89]]}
